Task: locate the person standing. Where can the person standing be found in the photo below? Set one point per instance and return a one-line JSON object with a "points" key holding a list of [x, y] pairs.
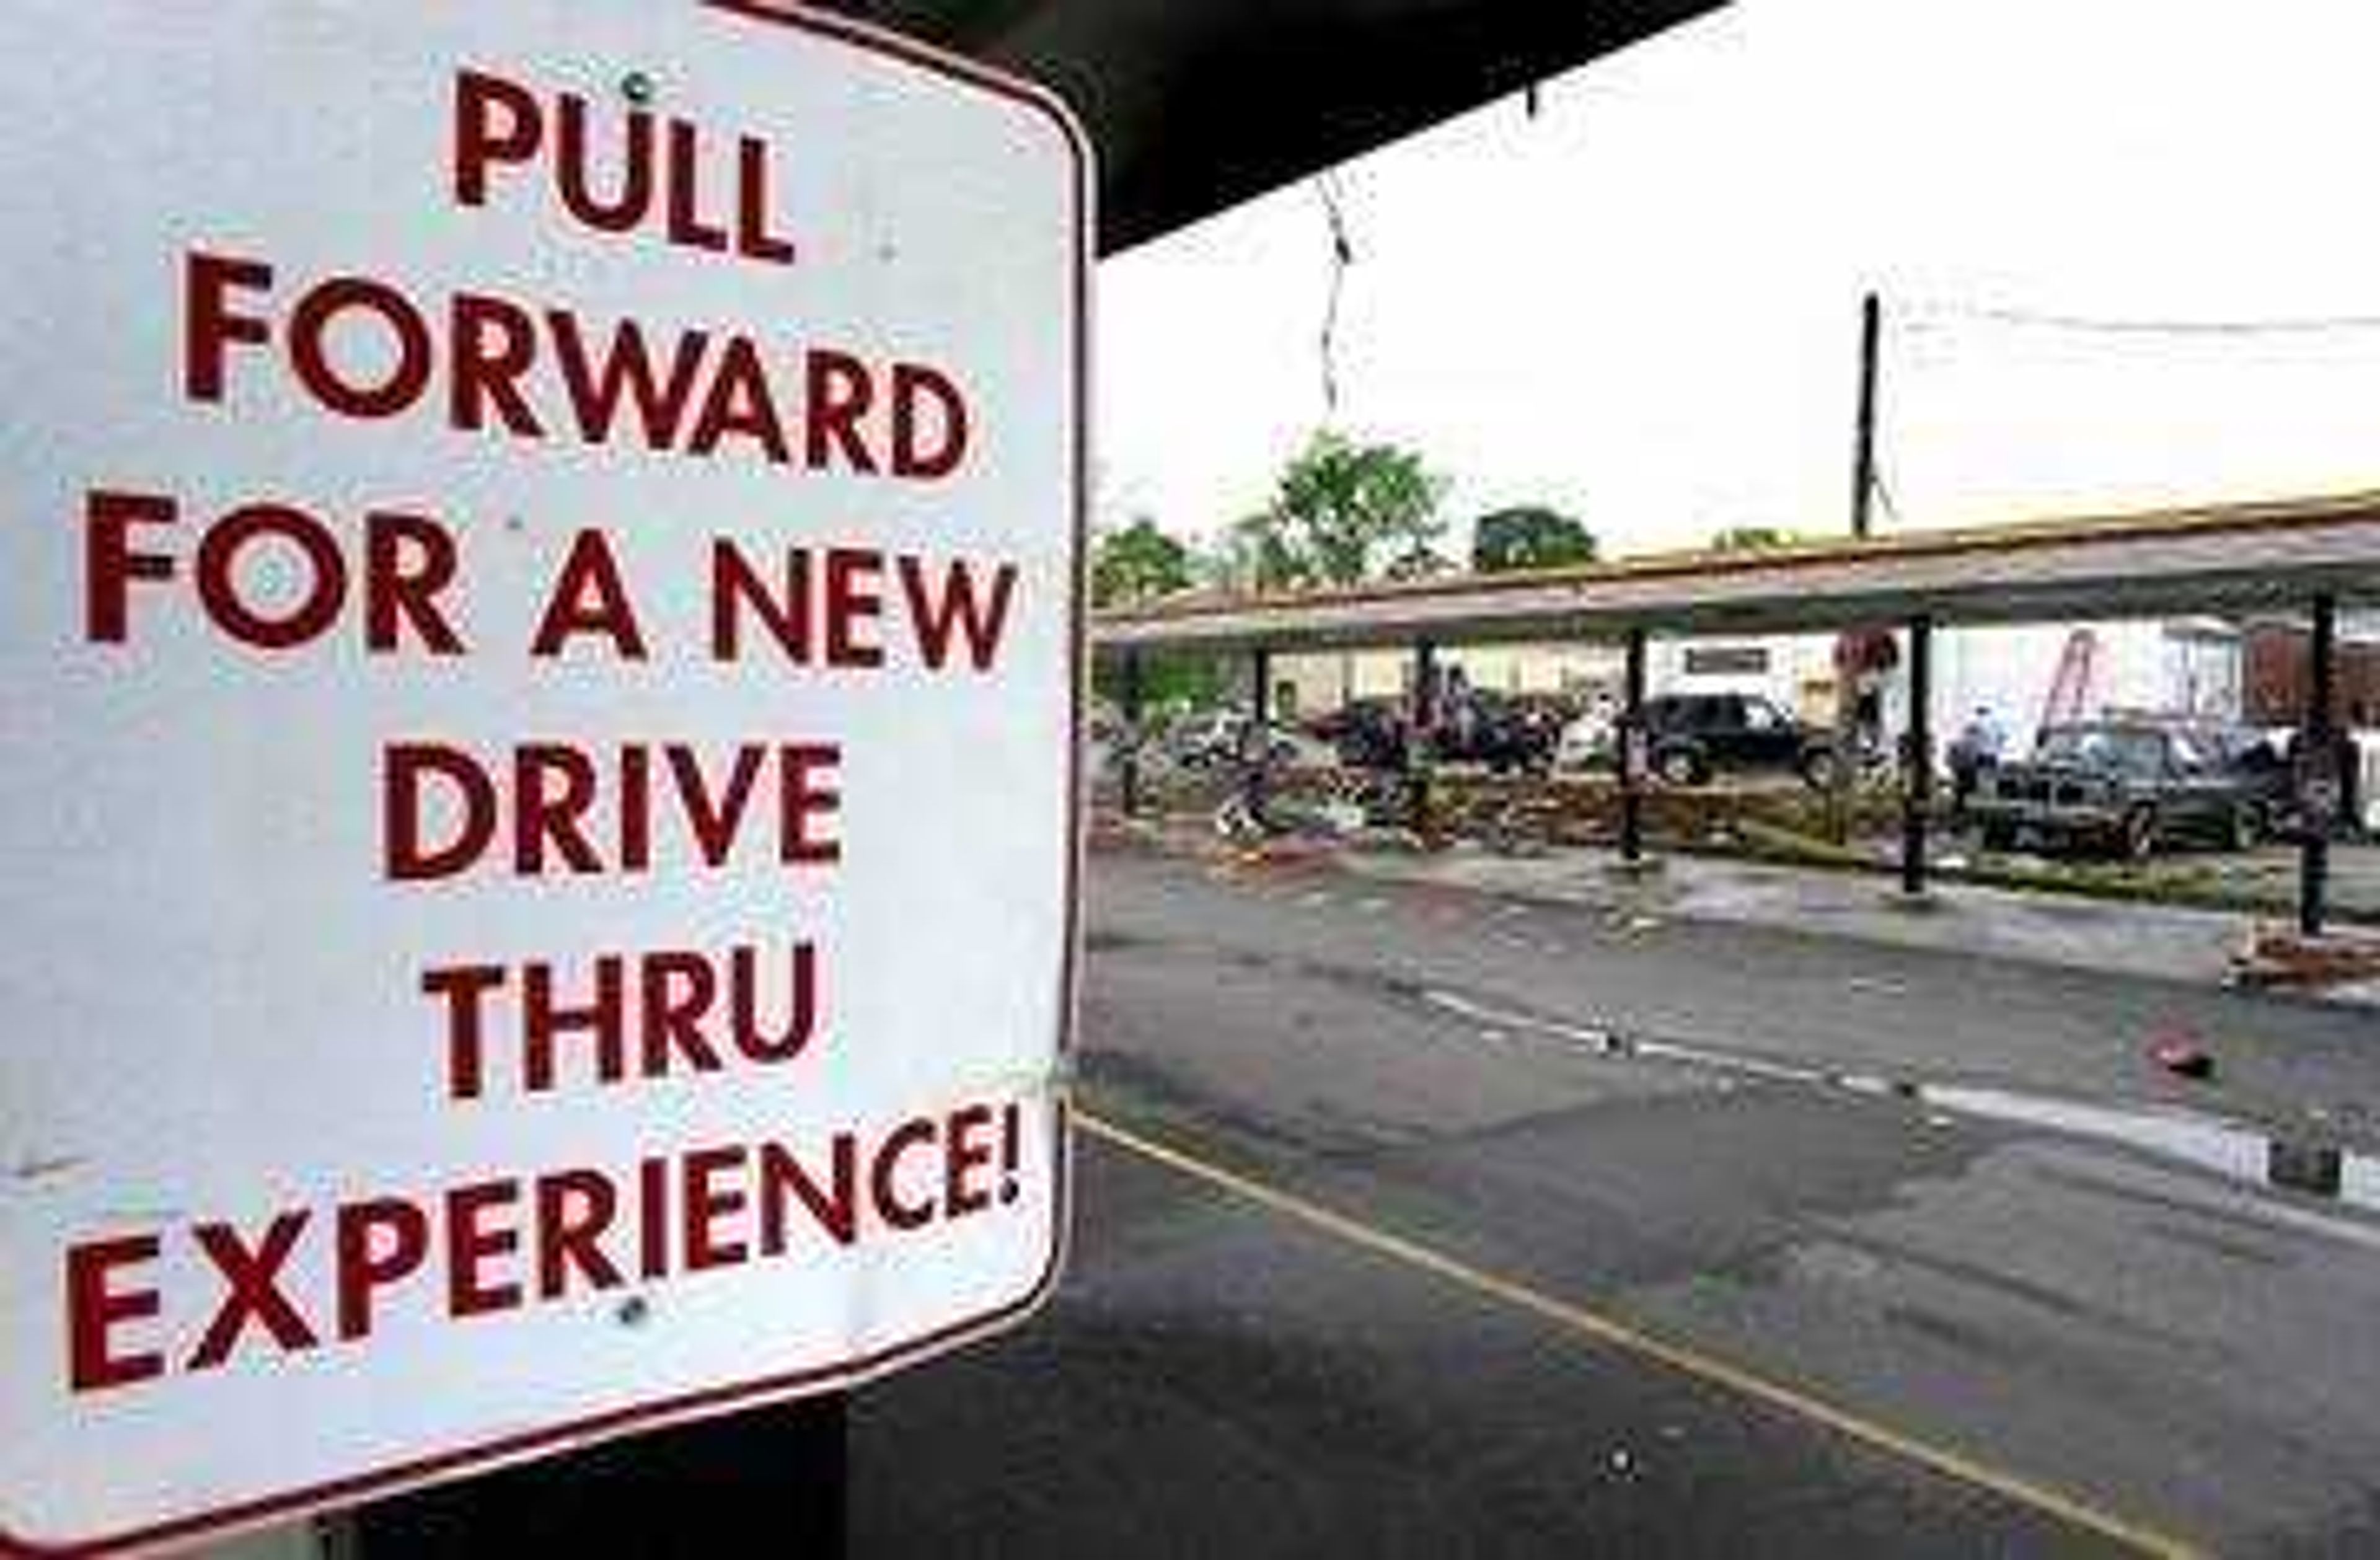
{"points": [[1976, 750]]}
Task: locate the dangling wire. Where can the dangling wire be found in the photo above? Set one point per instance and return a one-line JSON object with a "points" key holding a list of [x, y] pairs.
{"points": [[1884, 497], [1343, 255]]}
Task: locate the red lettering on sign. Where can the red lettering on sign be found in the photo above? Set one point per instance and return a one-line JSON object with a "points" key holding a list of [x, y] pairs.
{"points": [[499, 124], [496, 344], [590, 598], [691, 1012], [94, 1307], [839, 392], [251, 1280], [853, 604], [494, 122], [473, 1244], [507, 1242], [784, 1181], [740, 405], [360, 299], [110, 563], [958, 608], [499, 365], [829, 609], [883, 1177], [678, 990], [553, 787], [597, 390], [409, 560], [545, 1019], [208, 323], [410, 563], [707, 1203], [443, 809], [964, 1154], [572, 167], [915, 384], [575, 1210], [379, 1243], [803, 801], [326, 576], [407, 771]]}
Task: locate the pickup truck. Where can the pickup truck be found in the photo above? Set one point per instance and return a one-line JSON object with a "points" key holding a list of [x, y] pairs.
{"points": [[2130, 787]]}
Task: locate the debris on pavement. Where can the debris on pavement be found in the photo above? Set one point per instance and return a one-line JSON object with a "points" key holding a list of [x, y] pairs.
{"points": [[2315, 1168], [2183, 1056], [2278, 956]]}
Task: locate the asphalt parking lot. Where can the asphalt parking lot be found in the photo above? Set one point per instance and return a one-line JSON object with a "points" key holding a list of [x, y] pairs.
{"points": [[1217, 1377], [1375, 1254]]}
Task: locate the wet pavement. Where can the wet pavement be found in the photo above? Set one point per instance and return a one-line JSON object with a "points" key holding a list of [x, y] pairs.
{"points": [[1810, 1181], [2306, 1159], [1213, 1379], [1797, 990], [2128, 937]]}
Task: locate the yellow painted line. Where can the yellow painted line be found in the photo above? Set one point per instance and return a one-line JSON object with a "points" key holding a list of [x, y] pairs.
{"points": [[2071, 1509]]}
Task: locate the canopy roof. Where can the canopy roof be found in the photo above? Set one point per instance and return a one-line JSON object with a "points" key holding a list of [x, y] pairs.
{"points": [[2235, 559], [1198, 105]]}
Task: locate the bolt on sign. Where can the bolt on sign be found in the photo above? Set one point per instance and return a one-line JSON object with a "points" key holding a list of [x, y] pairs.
{"points": [[538, 688]]}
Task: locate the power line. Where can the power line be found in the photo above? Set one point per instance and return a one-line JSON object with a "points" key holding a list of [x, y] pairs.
{"points": [[2111, 325]]}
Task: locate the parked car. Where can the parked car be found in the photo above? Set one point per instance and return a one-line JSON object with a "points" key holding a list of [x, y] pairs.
{"points": [[2130, 787], [1502, 734], [1226, 738], [1201, 738], [1691, 737], [1367, 734]]}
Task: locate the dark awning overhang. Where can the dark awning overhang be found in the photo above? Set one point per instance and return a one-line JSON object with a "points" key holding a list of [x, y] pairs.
{"points": [[1198, 105]]}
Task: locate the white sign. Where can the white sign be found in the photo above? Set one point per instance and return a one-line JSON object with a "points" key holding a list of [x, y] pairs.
{"points": [[539, 686]]}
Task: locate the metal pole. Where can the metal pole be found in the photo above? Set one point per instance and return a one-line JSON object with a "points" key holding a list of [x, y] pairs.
{"points": [[1917, 781], [1257, 752], [1421, 724], [1845, 770], [2317, 759], [1633, 754], [1128, 767], [1863, 442], [771, 1479]]}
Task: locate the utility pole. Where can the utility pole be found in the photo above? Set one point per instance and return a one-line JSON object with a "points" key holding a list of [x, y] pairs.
{"points": [[1846, 764], [1864, 443]]}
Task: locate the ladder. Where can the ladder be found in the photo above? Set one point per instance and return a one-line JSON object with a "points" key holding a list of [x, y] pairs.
{"points": [[2069, 689]]}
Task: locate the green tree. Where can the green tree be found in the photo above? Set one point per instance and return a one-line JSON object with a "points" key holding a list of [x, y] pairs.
{"points": [[1257, 555], [1141, 563], [1529, 536], [1169, 680], [1342, 513], [1750, 539], [1138, 562]]}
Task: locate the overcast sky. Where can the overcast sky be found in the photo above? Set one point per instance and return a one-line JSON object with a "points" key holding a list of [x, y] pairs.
{"points": [[1642, 304]]}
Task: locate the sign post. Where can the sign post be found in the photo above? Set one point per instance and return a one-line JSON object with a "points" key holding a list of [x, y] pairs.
{"points": [[540, 633]]}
